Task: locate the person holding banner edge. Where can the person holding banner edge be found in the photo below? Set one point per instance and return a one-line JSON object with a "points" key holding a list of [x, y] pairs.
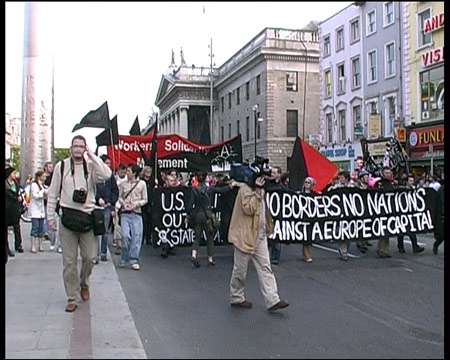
{"points": [[200, 216], [308, 188]]}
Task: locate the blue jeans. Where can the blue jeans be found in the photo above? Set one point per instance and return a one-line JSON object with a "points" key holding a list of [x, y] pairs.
{"points": [[102, 240], [37, 227], [132, 228]]}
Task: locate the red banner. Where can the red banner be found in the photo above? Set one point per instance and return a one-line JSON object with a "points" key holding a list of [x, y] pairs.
{"points": [[130, 149], [176, 152]]}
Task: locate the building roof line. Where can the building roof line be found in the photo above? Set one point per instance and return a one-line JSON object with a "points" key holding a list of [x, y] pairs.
{"points": [[332, 16]]}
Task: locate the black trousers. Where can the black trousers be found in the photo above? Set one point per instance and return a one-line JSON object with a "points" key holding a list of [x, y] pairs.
{"points": [[17, 236], [413, 238], [439, 233], [147, 228]]}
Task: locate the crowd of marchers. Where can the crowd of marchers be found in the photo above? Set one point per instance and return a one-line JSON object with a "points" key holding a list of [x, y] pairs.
{"points": [[60, 200]]}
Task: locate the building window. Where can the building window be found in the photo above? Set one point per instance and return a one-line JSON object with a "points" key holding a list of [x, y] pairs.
{"points": [[341, 79], [238, 96], [326, 46], [247, 128], [432, 94], [371, 23], [354, 31], [292, 81], [341, 115], [372, 107], [229, 131], [247, 90], [356, 73], [238, 127], [372, 66], [339, 39], [221, 133], [388, 13], [329, 117], [389, 65], [258, 85], [391, 114], [291, 123], [328, 85], [358, 131], [423, 39], [229, 100], [221, 103]]}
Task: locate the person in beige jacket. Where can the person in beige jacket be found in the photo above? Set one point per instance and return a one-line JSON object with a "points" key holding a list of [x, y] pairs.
{"points": [[250, 225]]}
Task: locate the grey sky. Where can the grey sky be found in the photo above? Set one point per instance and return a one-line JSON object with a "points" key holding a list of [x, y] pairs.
{"points": [[118, 51]]}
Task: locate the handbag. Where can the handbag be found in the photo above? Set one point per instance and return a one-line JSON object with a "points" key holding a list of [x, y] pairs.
{"points": [[98, 217], [76, 220]]}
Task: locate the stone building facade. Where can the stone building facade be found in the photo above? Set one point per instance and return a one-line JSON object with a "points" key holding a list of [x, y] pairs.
{"points": [[269, 73], [183, 100]]}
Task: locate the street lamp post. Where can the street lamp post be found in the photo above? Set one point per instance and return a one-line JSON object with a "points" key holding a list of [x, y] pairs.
{"points": [[256, 119]]}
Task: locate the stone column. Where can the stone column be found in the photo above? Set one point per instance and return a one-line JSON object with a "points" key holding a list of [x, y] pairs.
{"points": [[183, 110]]}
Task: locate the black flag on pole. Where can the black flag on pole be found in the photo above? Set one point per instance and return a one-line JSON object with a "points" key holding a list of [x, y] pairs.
{"points": [[135, 129], [98, 118], [104, 138]]}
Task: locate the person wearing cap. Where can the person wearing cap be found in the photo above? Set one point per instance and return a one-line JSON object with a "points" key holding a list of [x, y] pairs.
{"points": [[308, 188]]}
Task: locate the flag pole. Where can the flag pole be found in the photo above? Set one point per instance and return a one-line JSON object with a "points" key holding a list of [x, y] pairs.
{"points": [[112, 146]]}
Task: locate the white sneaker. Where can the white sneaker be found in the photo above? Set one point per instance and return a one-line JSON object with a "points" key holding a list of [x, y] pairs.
{"points": [[135, 267], [59, 250], [52, 247]]}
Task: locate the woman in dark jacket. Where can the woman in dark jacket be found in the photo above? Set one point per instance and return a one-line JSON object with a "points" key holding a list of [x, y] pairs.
{"points": [[201, 217], [12, 206]]}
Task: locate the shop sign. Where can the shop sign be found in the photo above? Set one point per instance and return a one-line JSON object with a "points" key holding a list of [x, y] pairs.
{"points": [[422, 138], [432, 57], [338, 152], [434, 23], [374, 129], [401, 134]]}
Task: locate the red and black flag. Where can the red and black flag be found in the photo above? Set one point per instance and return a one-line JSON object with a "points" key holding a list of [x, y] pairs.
{"points": [[98, 118], [307, 161], [135, 129]]}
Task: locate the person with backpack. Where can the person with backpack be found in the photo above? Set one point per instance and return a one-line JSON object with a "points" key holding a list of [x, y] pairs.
{"points": [[37, 211], [74, 183]]}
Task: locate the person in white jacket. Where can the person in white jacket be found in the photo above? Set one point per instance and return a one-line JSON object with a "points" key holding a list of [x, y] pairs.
{"points": [[37, 211]]}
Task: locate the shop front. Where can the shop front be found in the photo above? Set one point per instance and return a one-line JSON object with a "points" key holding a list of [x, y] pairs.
{"points": [[426, 149], [342, 155]]}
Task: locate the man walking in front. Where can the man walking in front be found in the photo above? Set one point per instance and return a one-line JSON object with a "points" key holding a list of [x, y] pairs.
{"points": [[75, 185], [250, 225]]}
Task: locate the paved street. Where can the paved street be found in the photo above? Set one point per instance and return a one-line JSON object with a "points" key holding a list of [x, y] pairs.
{"points": [[367, 307]]}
